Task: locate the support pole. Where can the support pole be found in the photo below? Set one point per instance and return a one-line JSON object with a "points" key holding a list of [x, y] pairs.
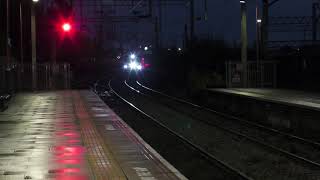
{"points": [[191, 21], [259, 44], [21, 67], [265, 29], [258, 32], [8, 32], [244, 41], [160, 23], [33, 46], [21, 35], [314, 22]]}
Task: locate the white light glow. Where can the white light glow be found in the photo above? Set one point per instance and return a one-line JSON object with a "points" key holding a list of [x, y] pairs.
{"points": [[132, 56], [146, 48], [66, 27], [139, 67], [133, 65]]}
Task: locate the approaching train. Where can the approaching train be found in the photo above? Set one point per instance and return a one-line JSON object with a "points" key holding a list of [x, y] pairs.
{"points": [[135, 63]]}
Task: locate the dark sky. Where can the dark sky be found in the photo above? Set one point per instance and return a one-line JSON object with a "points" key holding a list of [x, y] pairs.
{"points": [[224, 19]]}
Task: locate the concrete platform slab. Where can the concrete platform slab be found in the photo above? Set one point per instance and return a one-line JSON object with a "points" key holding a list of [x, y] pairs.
{"points": [[300, 99], [295, 111], [73, 135]]}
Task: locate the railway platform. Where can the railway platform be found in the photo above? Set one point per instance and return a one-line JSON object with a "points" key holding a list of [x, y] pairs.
{"points": [[281, 96], [292, 110], [73, 135]]}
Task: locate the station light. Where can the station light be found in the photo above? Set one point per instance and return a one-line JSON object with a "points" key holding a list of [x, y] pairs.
{"points": [[125, 66], [242, 1], [66, 27], [35, 1], [259, 20], [146, 48]]}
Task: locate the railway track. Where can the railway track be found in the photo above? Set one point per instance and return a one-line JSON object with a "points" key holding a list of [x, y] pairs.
{"points": [[222, 169], [287, 143], [293, 148], [299, 148]]}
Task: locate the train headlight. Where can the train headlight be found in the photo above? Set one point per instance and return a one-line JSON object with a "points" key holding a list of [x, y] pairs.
{"points": [[139, 67]]}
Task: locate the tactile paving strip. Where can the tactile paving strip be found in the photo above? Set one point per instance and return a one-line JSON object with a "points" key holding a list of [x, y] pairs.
{"points": [[100, 158], [73, 135], [137, 159]]}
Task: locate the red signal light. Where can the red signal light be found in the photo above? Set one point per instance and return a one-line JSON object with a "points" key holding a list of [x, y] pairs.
{"points": [[66, 27]]}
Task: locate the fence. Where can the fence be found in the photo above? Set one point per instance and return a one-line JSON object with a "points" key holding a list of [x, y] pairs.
{"points": [[251, 74], [17, 77]]}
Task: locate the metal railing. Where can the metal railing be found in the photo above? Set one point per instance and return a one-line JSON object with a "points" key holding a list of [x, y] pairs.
{"points": [[251, 74], [20, 77]]}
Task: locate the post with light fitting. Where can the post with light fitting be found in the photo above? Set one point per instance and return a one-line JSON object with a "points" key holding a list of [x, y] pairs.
{"points": [[258, 32], [259, 38], [33, 45], [265, 29], [244, 41], [7, 32], [21, 44]]}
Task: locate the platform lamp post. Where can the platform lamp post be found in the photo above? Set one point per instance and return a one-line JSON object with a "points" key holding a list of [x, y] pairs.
{"points": [[265, 29], [21, 33], [33, 45], [258, 32], [244, 41], [7, 47], [21, 69], [7, 31]]}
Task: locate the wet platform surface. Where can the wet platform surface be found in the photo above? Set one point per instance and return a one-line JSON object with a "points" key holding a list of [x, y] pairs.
{"points": [[287, 97], [73, 135]]}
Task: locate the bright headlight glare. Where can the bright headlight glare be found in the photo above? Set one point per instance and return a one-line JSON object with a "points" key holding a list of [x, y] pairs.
{"points": [[132, 56], [133, 65], [139, 67]]}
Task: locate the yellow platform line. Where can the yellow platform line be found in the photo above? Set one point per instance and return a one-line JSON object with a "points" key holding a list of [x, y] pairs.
{"points": [[101, 160]]}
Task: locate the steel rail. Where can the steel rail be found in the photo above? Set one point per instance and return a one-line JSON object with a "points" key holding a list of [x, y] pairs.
{"points": [[271, 130], [203, 152], [271, 147]]}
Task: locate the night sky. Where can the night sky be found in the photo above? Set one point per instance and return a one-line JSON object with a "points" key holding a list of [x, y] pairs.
{"points": [[224, 19]]}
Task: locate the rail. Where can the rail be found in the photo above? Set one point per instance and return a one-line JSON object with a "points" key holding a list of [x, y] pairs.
{"points": [[260, 127], [236, 173]]}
